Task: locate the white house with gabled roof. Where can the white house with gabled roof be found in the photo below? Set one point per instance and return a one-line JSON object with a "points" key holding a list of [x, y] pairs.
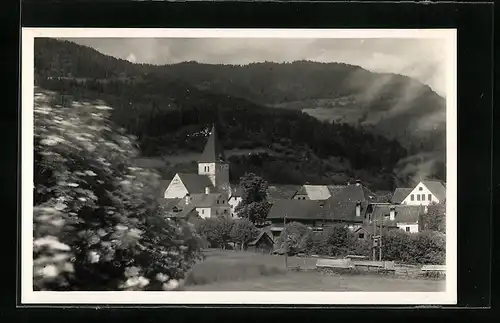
{"points": [[426, 193]]}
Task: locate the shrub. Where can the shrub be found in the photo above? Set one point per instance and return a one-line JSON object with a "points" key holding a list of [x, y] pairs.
{"points": [[243, 232], [216, 231], [296, 234], [425, 247]]}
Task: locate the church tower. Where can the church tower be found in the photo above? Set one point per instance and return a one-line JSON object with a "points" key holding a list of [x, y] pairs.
{"points": [[213, 164]]}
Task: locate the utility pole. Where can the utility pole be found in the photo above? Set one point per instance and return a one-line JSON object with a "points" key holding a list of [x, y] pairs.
{"points": [[380, 240], [286, 241], [374, 238]]}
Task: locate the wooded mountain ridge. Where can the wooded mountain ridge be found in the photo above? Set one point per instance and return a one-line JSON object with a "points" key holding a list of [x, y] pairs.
{"points": [[261, 105]]}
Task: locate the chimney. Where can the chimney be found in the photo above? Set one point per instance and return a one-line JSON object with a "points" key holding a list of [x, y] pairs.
{"points": [[207, 190], [392, 213], [358, 209], [358, 182], [187, 198]]}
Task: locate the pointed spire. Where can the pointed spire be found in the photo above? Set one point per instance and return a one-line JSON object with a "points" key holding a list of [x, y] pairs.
{"points": [[213, 151]]}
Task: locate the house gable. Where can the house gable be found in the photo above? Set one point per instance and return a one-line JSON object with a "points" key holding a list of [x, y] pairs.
{"points": [[422, 195], [176, 188]]}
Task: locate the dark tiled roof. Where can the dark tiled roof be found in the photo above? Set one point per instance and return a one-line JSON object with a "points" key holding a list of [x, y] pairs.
{"points": [[383, 197], [196, 200], [236, 191], [335, 189], [404, 213], [168, 204], [400, 194], [208, 200], [295, 209], [277, 192], [368, 228], [340, 209], [260, 236], [162, 187], [437, 188], [354, 193], [196, 184], [213, 151]]}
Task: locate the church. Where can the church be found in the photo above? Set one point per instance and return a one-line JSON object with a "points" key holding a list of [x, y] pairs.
{"points": [[206, 194]]}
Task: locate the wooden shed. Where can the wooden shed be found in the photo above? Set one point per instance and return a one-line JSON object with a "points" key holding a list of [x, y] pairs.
{"points": [[263, 243]]}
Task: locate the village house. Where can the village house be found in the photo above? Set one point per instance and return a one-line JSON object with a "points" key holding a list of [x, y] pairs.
{"points": [[424, 193], [366, 231], [348, 206], [404, 217], [205, 194], [235, 199]]}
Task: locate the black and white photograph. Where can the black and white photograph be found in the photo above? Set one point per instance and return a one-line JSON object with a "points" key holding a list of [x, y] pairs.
{"points": [[200, 166]]}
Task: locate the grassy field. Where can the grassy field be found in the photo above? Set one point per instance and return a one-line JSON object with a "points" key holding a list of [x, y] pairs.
{"points": [[246, 271]]}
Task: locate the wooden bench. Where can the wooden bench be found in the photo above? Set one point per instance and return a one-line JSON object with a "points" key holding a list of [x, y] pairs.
{"points": [[335, 266], [352, 257], [433, 271], [436, 268]]}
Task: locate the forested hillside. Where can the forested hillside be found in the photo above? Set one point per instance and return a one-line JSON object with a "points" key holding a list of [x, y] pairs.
{"points": [[169, 107]]}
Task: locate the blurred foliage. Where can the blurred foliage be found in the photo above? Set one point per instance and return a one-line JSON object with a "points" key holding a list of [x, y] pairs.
{"points": [[96, 222]]}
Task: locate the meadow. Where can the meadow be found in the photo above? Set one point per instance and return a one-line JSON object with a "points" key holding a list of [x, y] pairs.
{"points": [[229, 270]]}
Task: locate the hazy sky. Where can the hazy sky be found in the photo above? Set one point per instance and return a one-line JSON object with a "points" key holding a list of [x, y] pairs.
{"points": [[423, 59]]}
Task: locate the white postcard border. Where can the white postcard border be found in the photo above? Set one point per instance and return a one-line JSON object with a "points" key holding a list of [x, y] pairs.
{"points": [[28, 296]]}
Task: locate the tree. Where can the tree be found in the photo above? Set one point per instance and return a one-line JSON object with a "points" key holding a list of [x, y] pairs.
{"points": [[435, 218], [253, 205], [296, 235], [254, 188], [243, 232], [96, 223], [338, 240], [217, 231]]}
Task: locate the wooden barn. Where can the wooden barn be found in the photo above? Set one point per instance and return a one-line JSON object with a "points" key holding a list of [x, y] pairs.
{"points": [[263, 243]]}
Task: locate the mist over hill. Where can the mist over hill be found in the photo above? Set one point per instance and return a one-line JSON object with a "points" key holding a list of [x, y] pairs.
{"points": [[387, 129]]}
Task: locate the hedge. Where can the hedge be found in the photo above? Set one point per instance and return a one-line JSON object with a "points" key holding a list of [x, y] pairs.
{"points": [[426, 247]]}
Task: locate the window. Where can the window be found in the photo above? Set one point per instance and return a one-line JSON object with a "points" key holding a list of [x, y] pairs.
{"points": [[420, 188], [412, 197], [361, 235], [217, 201], [407, 229], [202, 211], [418, 197], [429, 197]]}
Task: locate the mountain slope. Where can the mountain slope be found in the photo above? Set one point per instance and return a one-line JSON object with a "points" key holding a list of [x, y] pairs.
{"points": [[168, 110]]}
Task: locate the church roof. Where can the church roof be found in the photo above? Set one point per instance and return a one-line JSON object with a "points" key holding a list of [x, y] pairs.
{"points": [[213, 151], [195, 184]]}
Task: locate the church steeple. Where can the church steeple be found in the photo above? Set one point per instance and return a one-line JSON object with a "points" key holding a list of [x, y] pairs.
{"points": [[214, 165], [213, 152]]}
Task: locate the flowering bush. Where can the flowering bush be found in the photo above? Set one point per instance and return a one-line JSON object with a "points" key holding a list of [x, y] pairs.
{"points": [[96, 223]]}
